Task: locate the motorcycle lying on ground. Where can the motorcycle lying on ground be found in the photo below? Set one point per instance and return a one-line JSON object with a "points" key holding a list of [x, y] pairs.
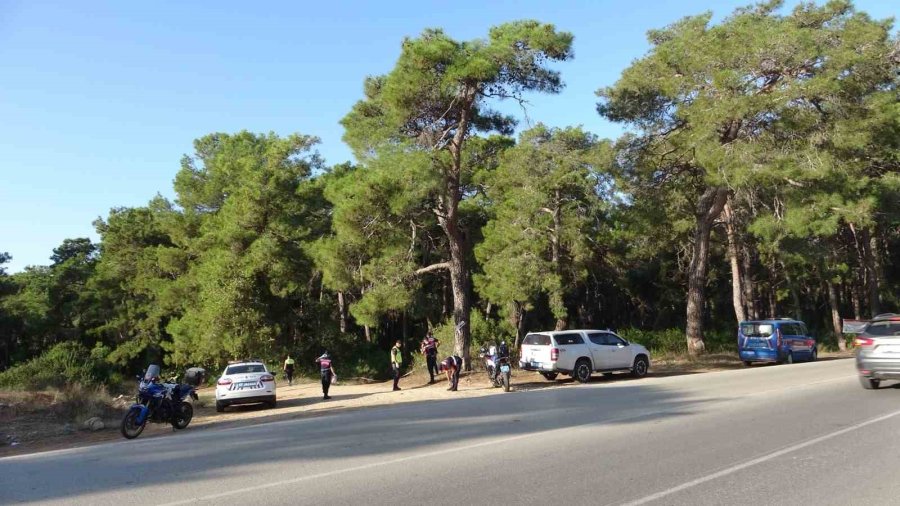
{"points": [[161, 402], [497, 367]]}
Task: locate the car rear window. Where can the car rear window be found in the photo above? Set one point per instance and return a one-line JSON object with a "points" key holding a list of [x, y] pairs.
{"points": [[573, 338], [537, 340], [756, 329], [884, 328], [245, 368]]}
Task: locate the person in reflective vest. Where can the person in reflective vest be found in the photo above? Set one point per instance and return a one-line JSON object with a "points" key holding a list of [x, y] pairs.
{"points": [[396, 362], [429, 348], [452, 366], [327, 372], [289, 369]]}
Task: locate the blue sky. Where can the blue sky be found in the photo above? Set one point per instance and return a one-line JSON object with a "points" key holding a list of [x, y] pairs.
{"points": [[99, 100]]}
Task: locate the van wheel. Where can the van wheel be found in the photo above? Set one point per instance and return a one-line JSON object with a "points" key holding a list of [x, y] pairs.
{"points": [[550, 376], [641, 364], [869, 383], [582, 371], [748, 363]]}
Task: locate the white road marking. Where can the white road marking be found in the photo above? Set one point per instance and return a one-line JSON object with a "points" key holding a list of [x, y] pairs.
{"points": [[764, 458]]}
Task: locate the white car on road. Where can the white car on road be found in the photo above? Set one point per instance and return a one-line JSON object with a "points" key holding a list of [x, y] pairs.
{"points": [[579, 353], [245, 382]]}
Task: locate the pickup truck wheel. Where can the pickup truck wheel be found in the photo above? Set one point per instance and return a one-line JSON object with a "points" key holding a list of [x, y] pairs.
{"points": [[582, 371], [550, 376], [641, 364]]}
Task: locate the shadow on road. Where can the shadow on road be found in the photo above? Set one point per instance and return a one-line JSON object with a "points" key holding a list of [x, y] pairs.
{"points": [[308, 443]]}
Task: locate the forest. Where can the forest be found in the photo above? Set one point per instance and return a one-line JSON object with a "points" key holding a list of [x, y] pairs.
{"points": [[758, 176]]}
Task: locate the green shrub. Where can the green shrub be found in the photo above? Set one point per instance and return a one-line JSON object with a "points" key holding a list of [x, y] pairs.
{"points": [[64, 364], [674, 341]]}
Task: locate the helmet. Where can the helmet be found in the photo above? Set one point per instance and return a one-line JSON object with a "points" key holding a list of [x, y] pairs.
{"points": [[325, 355]]}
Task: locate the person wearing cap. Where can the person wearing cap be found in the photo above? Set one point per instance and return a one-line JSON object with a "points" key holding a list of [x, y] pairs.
{"points": [[429, 348], [327, 372], [289, 369], [396, 361], [452, 365]]}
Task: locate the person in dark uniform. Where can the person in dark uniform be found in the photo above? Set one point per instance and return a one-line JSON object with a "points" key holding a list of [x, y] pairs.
{"points": [[396, 362], [429, 348], [452, 366], [327, 371]]}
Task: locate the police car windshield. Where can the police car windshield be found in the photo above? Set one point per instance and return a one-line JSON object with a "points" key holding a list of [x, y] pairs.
{"points": [[756, 329], [245, 368]]}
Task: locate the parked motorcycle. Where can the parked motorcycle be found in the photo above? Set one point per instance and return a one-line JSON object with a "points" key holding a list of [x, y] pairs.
{"points": [[497, 367], [161, 402]]}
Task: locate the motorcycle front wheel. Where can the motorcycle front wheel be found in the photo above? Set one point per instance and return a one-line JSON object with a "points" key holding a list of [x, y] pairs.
{"points": [[183, 415], [130, 426]]}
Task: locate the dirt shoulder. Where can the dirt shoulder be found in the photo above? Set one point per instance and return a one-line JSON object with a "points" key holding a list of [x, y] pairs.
{"points": [[33, 422]]}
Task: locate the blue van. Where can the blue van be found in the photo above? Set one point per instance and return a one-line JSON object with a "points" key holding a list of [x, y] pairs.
{"points": [[780, 340]]}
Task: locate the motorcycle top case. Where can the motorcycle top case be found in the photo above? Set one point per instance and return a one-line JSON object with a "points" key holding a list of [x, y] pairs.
{"points": [[195, 376]]}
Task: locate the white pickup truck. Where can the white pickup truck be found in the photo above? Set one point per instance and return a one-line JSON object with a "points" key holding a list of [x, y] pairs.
{"points": [[579, 353]]}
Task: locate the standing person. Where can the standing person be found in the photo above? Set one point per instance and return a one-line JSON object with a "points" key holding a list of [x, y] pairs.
{"points": [[452, 365], [289, 369], [327, 372], [429, 348], [396, 361]]}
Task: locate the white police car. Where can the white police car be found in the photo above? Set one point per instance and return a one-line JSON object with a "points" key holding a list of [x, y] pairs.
{"points": [[245, 382]]}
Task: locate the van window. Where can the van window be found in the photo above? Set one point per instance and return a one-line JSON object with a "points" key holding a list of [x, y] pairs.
{"points": [[791, 329], [536, 340], [756, 329], [572, 338]]}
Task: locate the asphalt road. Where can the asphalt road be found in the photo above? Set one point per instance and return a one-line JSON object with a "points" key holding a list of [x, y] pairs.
{"points": [[797, 434]]}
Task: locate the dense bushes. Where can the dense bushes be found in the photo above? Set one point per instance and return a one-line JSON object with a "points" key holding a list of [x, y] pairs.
{"points": [[64, 364], [673, 342]]}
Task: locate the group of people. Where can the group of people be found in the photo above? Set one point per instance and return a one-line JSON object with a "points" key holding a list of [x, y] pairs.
{"points": [[326, 371], [451, 365]]}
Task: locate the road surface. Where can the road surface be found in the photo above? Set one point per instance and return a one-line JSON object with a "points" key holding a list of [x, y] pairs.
{"points": [[793, 434]]}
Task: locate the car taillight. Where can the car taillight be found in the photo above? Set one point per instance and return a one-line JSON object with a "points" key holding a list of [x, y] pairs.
{"points": [[810, 343], [554, 354], [268, 378], [223, 382], [863, 341]]}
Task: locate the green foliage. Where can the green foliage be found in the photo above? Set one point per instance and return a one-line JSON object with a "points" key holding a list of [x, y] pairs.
{"points": [[65, 363]]}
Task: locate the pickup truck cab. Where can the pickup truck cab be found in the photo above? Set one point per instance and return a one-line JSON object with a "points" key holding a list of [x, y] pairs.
{"points": [[579, 353]]}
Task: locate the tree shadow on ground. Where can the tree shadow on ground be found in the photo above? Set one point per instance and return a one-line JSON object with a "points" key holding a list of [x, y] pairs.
{"points": [[328, 441]]}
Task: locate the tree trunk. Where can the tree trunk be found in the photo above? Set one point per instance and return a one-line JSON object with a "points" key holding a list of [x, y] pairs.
{"points": [[517, 319], [836, 316], [342, 311], [368, 333], [748, 284], [557, 302], [737, 292], [872, 281], [708, 209], [853, 287]]}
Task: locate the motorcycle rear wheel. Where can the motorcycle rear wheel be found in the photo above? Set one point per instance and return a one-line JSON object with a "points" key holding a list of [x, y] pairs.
{"points": [[183, 415], [130, 428]]}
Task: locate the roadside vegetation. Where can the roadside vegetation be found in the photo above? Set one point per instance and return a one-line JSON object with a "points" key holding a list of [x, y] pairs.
{"points": [[758, 177]]}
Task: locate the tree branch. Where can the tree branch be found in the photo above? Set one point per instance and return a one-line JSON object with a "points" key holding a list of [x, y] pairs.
{"points": [[432, 267]]}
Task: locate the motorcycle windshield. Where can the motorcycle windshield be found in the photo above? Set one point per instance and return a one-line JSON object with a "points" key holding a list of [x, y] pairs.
{"points": [[152, 372]]}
